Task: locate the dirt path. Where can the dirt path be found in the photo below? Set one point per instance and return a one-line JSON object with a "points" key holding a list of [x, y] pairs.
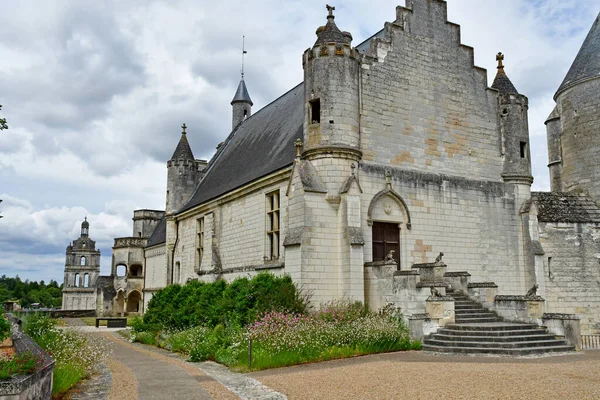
{"points": [[417, 375]]}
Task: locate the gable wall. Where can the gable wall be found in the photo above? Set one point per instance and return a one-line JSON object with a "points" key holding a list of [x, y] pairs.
{"points": [[424, 104]]}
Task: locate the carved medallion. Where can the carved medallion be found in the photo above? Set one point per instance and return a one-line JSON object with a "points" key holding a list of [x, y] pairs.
{"points": [[387, 207]]}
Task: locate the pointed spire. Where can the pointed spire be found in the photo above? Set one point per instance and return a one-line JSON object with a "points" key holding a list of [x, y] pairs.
{"points": [[501, 82], [183, 150], [241, 94], [330, 32], [587, 63]]}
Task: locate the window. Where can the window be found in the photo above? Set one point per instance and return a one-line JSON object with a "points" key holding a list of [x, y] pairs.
{"points": [[315, 111], [273, 225], [121, 271], [76, 282], [523, 149], [386, 238], [83, 261], [86, 280], [199, 241]]}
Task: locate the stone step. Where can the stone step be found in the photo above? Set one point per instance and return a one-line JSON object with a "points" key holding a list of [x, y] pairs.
{"points": [[491, 338], [468, 307], [497, 326], [474, 312], [477, 320], [491, 334], [503, 345], [498, 351]]}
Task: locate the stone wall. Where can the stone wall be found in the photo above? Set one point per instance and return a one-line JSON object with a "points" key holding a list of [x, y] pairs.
{"points": [[473, 222], [572, 271], [235, 236], [425, 105], [155, 274]]}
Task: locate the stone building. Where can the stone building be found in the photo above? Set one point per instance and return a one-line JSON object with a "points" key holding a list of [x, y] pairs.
{"points": [[82, 269], [389, 153]]}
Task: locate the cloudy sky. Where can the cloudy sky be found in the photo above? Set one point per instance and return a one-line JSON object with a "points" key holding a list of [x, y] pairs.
{"points": [[95, 92]]}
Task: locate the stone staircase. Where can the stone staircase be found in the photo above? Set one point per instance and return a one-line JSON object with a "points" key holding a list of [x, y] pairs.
{"points": [[479, 331]]}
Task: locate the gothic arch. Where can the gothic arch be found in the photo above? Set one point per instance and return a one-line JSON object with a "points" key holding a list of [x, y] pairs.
{"points": [[388, 191]]}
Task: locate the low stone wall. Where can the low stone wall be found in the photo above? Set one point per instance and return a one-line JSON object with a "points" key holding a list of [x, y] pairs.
{"points": [[36, 386], [520, 308], [565, 325]]}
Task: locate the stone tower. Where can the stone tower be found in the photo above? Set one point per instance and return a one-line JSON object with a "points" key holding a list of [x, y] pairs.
{"points": [[182, 178], [241, 104], [514, 129], [331, 94], [324, 195], [574, 125], [82, 268], [182, 175]]}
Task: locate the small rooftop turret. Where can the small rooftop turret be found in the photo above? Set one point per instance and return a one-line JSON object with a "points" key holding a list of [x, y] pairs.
{"points": [[241, 103]]}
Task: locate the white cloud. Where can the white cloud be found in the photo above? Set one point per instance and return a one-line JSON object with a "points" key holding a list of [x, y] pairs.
{"points": [[95, 92]]}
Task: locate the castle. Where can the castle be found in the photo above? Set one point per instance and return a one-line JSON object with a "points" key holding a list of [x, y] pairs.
{"points": [[386, 155]]}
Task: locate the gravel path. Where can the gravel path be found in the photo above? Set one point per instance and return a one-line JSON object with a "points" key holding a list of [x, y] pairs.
{"points": [[417, 375]]}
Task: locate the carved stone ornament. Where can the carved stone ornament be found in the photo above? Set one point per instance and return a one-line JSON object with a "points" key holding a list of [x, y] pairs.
{"points": [[387, 207]]}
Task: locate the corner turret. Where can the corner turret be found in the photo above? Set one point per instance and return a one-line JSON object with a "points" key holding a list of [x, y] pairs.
{"points": [[182, 175], [513, 108], [572, 128], [331, 92], [241, 104]]}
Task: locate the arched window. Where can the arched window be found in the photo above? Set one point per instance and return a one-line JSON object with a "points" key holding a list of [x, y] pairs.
{"points": [[83, 261], [121, 271], [86, 280], [135, 270], [76, 282]]}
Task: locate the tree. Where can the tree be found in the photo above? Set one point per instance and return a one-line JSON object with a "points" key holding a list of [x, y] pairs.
{"points": [[2, 122]]}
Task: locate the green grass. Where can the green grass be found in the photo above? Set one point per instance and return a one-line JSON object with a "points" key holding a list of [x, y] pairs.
{"points": [[65, 376]]}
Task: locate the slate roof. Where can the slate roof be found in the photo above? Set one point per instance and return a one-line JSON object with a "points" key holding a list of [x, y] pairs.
{"points": [[261, 145], [159, 235], [565, 207], [587, 62], [503, 84], [183, 150], [241, 94]]}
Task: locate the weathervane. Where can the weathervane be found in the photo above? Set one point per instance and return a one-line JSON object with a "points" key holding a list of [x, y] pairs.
{"points": [[243, 52]]}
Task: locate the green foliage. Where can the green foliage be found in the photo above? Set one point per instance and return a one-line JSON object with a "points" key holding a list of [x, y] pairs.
{"points": [[3, 122], [4, 327], [22, 364], [29, 292], [210, 304], [76, 354]]}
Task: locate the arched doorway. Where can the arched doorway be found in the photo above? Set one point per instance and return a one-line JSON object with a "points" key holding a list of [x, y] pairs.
{"points": [[134, 302]]}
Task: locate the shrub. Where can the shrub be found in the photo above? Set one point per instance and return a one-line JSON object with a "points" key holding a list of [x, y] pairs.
{"points": [[210, 304], [4, 327]]}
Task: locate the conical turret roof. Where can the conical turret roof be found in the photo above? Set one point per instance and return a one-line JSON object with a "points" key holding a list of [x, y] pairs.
{"points": [[502, 83], [183, 150], [587, 62], [241, 94], [331, 33]]}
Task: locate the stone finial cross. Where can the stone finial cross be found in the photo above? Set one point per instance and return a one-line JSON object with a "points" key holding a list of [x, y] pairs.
{"points": [[184, 127], [298, 145], [330, 9], [500, 58]]}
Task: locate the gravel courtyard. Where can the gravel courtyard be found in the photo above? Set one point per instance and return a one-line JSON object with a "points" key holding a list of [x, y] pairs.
{"points": [[416, 375]]}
